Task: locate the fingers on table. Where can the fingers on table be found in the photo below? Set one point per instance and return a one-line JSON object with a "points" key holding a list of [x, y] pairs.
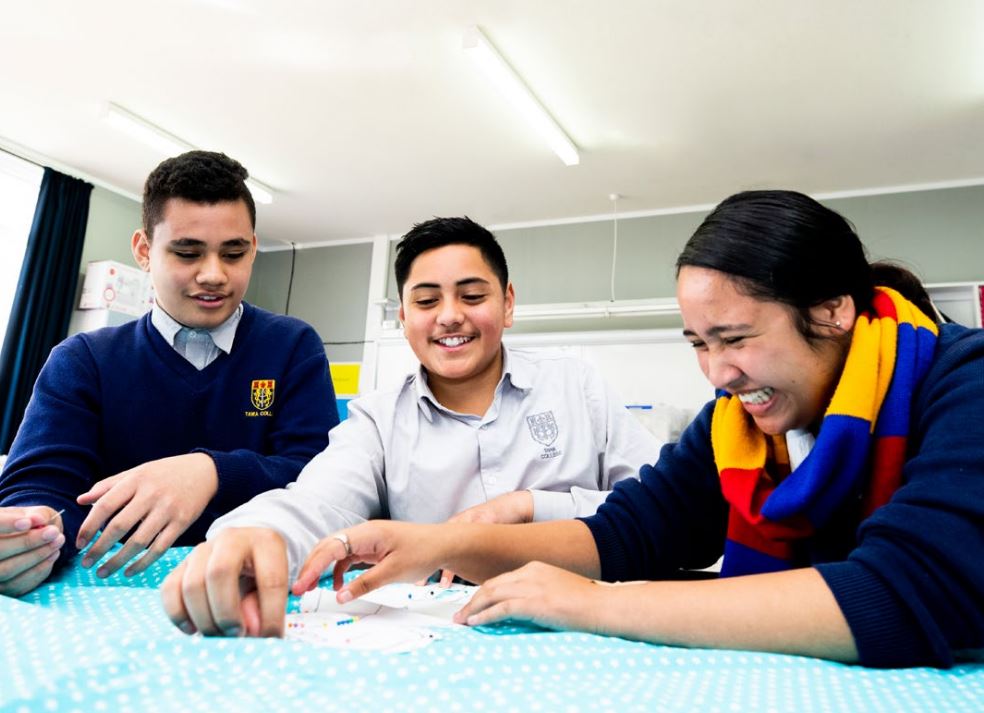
{"points": [[31, 550], [152, 538], [104, 509], [172, 596], [229, 586], [324, 553], [29, 578]]}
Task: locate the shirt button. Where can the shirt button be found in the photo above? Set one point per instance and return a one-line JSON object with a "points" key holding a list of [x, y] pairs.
{"points": [[484, 426]]}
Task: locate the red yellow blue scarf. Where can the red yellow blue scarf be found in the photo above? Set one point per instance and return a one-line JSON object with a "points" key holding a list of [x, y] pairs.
{"points": [[860, 448]]}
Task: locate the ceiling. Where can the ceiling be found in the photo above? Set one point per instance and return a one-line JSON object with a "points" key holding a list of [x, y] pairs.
{"points": [[366, 117]]}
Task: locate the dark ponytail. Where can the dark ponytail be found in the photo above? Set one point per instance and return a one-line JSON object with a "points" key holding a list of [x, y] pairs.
{"points": [[890, 274]]}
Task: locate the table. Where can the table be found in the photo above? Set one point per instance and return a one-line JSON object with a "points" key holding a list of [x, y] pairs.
{"points": [[85, 644]]}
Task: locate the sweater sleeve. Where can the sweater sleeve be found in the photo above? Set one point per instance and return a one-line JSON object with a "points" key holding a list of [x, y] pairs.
{"points": [[672, 518], [912, 589], [55, 456], [307, 412]]}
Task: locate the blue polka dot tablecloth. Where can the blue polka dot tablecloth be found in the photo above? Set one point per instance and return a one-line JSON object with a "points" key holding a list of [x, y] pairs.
{"points": [[83, 644]]}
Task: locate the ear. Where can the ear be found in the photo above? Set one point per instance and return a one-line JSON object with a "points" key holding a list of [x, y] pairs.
{"points": [[836, 315], [140, 245], [401, 315], [510, 305]]}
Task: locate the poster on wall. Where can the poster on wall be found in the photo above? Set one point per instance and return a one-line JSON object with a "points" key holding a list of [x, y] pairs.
{"points": [[345, 379]]}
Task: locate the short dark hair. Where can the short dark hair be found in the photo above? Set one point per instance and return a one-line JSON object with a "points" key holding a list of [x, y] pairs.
{"points": [[197, 176], [784, 246], [438, 232]]}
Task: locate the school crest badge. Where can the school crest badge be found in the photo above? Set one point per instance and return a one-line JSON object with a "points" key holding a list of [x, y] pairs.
{"points": [[543, 427], [262, 393]]}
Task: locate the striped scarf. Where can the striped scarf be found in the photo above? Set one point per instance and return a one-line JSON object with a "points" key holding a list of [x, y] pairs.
{"points": [[860, 448]]}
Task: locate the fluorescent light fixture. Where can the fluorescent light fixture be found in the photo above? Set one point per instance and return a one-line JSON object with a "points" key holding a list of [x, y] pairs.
{"points": [[168, 144], [145, 132], [612, 308], [478, 46]]}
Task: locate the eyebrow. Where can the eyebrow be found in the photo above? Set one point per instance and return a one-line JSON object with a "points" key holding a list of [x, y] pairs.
{"points": [[195, 243], [717, 331], [460, 283]]}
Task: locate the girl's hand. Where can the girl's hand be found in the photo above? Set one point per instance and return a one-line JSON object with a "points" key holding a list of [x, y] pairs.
{"points": [[541, 594]]}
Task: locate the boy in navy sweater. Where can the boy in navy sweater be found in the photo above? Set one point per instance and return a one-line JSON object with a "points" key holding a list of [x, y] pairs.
{"points": [[165, 423]]}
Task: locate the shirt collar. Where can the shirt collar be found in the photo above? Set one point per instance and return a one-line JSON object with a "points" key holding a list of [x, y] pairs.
{"points": [[516, 373], [520, 371], [222, 336]]}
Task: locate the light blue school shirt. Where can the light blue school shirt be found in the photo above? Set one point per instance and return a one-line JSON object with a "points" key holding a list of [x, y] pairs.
{"points": [[199, 346]]}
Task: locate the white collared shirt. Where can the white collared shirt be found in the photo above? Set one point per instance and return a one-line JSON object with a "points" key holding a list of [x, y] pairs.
{"points": [[199, 346], [553, 428], [799, 443]]}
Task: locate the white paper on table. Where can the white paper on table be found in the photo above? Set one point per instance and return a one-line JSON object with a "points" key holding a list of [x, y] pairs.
{"points": [[393, 619]]}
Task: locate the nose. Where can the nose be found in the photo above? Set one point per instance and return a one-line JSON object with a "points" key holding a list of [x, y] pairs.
{"points": [[721, 372], [450, 313], [212, 271]]}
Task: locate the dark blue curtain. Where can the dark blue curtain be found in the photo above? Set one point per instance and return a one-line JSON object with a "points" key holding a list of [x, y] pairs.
{"points": [[45, 293]]}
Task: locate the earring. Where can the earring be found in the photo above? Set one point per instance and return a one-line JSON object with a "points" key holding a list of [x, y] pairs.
{"points": [[837, 324]]}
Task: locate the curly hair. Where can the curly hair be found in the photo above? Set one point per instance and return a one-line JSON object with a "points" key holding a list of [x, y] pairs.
{"points": [[197, 176]]}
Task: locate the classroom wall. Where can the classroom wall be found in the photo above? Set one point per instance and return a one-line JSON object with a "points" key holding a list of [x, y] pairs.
{"points": [[330, 290], [112, 220], [938, 233]]}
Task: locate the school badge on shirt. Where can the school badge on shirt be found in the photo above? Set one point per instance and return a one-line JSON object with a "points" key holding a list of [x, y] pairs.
{"points": [[261, 394], [543, 428]]}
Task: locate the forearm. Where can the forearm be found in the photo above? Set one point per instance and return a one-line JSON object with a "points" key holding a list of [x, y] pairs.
{"points": [[577, 502], [787, 612], [477, 552]]}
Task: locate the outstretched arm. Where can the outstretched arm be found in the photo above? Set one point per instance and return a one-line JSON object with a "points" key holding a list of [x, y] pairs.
{"points": [[405, 552], [786, 612]]}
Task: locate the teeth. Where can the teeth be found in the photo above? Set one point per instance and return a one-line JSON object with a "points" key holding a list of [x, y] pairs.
{"points": [[454, 341], [757, 397], [208, 298]]}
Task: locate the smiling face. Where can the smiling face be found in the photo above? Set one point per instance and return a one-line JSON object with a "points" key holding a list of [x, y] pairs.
{"points": [[454, 310], [200, 259], [753, 349]]}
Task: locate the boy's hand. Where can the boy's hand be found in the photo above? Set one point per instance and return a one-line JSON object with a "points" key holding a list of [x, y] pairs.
{"points": [[30, 541], [160, 498], [511, 508], [400, 551], [232, 585]]}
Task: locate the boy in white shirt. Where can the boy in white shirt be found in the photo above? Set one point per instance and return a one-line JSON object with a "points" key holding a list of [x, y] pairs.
{"points": [[480, 432]]}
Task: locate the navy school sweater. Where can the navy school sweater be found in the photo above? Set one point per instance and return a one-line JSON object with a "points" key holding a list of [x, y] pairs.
{"points": [[109, 400], [909, 580]]}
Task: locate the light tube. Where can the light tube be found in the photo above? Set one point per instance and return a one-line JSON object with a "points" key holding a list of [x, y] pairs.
{"points": [[168, 144], [480, 49]]}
